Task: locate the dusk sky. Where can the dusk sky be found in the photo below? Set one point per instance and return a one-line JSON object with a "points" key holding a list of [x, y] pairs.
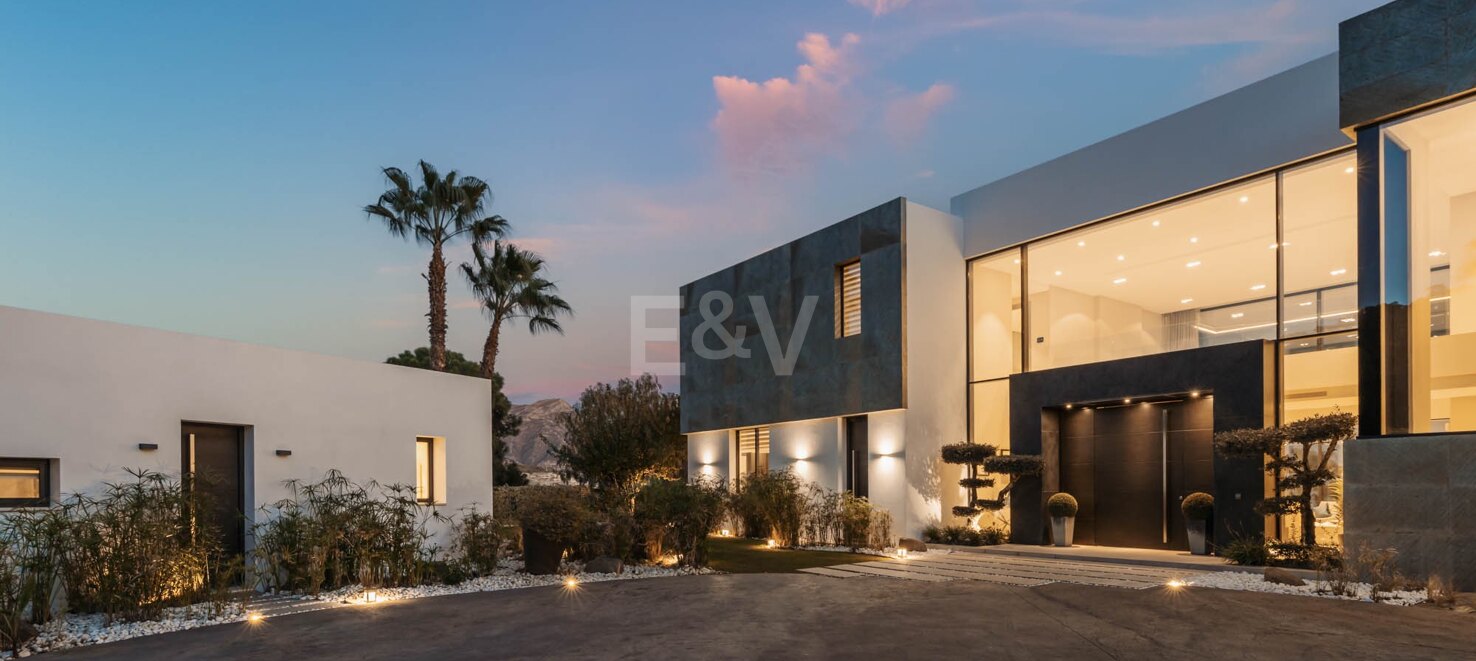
{"points": [[202, 167]]}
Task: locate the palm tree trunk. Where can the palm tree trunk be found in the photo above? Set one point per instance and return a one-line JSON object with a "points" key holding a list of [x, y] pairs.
{"points": [[489, 350], [436, 281]]}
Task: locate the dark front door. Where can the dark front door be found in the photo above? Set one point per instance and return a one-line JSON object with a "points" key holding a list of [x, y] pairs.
{"points": [[857, 456], [1130, 466], [214, 467]]}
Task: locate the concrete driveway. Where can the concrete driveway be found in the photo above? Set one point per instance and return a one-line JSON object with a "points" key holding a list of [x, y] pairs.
{"points": [[782, 616]]}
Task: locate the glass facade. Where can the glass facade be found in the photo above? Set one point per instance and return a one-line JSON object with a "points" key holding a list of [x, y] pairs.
{"points": [[1429, 192], [1191, 274]]}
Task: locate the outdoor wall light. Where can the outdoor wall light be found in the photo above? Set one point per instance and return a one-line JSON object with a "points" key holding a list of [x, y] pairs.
{"points": [[284, 453], [148, 447], [1193, 393], [1127, 400], [1068, 407]]}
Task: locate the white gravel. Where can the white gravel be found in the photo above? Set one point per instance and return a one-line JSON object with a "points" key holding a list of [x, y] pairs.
{"points": [[1257, 583], [79, 630]]}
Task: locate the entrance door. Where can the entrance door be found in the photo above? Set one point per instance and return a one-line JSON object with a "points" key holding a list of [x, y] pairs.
{"points": [[858, 456], [213, 463], [1130, 466]]}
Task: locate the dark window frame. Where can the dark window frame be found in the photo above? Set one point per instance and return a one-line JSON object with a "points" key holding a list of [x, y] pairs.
{"points": [[41, 465], [430, 470]]}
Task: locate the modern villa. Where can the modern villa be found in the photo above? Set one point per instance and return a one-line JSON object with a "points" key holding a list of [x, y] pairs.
{"points": [[1303, 245], [83, 401]]}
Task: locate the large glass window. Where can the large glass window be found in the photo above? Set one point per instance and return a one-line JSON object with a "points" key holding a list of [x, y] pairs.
{"points": [[994, 308], [1319, 375], [1430, 179], [753, 451], [1197, 273], [1320, 247], [989, 417]]}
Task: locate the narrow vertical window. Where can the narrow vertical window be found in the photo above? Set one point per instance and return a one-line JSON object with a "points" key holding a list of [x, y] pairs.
{"points": [[848, 299], [425, 488]]}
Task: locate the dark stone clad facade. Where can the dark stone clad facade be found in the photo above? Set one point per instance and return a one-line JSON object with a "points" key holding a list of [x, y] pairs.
{"points": [[1405, 55], [833, 376]]}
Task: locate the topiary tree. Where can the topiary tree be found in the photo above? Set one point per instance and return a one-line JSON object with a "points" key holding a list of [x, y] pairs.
{"points": [[983, 459], [1061, 505], [1292, 462]]}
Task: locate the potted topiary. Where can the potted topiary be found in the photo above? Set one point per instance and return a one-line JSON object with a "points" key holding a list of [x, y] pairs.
{"points": [[552, 518], [1062, 508], [1198, 507]]}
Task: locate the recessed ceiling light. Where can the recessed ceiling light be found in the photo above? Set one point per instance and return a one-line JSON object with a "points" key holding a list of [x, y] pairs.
{"points": [[1436, 253], [1185, 301], [1058, 273], [1305, 303], [1017, 261], [1257, 287], [1193, 239], [1127, 400], [1244, 199], [1272, 246], [1121, 257], [1192, 264], [1237, 315], [1348, 170], [1347, 320], [1119, 281], [1337, 271], [1081, 244], [1155, 223]]}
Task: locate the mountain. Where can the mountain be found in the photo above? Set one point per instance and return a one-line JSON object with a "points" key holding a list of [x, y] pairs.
{"points": [[540, 421]]}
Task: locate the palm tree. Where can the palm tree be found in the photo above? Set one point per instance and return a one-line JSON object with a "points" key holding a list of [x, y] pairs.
{"points": [[509, 284], [442, 209]]}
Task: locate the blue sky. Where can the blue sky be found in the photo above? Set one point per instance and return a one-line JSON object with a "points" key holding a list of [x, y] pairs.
{"points": [[201, 167]]}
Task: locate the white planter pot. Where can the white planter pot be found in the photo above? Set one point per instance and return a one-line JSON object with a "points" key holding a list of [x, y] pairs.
{"points": [[1062, 529], [1197, 545]]}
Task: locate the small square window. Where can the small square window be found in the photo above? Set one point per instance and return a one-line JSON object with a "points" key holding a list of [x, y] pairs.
{"points": [[848, 299], [25, 482]]}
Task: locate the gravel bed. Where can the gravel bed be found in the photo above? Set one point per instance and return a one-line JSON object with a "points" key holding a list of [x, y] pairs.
{"points": [[1257, 583]]}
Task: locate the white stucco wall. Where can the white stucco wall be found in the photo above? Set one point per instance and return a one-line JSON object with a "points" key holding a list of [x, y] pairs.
{"points": [[937, 399], [86, 393], [812, 448], [709, 455]]}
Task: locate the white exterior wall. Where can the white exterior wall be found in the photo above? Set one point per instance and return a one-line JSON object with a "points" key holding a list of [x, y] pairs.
{"points": [[709, 455], [937, 399], [813, 448], [86, 393]]}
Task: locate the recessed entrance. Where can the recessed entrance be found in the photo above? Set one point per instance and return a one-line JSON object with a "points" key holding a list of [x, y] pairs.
{"points": [[1130, 464], [213, 462]]}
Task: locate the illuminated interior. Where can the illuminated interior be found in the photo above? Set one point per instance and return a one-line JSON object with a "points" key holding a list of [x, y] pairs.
{"points": [[1438, 164]]}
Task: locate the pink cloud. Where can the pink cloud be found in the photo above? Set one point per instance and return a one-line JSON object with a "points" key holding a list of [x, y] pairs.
{"points": [[879, 7], [546, 246], [781, 124], [907, 117]]}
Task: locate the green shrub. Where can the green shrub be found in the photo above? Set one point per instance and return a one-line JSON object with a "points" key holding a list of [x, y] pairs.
{"points": [[964, 535], [334, 533], [967, 453], [477, 541], [1061, 504], [560, 513], [1251, 551], [1015, 465], [776, 500], [680, 516], [1198, 506]]}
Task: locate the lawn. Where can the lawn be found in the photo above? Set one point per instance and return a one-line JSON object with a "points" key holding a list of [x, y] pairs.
{"points": [[752, 556]]}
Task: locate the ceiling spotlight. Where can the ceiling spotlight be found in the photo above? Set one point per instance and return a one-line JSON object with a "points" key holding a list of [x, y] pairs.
{"points": [[1347, 320], [1058, 273], [1337, 271], [1068, 407], [1081, 244], [1349, 170], [1244, 199], [1192, 264], [1185, 301], [1121, 257], [1305, 303], [1257, 287], [1237, 315], [1155, 223], [1272, 246], [1119, 281], [1437, 253], [1127, 400], [1017, 261], [1193, 393], [1193, 239]]}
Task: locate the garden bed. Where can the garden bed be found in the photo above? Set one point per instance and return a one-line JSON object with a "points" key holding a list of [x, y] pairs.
{"points": [[1229, 580]]}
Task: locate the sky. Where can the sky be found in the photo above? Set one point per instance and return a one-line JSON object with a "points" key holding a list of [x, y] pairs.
{"points": [[202, 167]]}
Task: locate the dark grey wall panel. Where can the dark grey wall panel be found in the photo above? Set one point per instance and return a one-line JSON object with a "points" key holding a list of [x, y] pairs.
{"points": [[1404, 55], [832, 376], [1240, 376]]}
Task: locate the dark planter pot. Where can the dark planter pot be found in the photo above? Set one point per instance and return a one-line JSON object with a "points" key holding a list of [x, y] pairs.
{"points": [[1197, 544], [541, 555]]}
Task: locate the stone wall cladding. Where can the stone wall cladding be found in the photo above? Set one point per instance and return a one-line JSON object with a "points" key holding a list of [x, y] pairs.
{"points": [[1417, 495], [1404, 55], [833, 376]]}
